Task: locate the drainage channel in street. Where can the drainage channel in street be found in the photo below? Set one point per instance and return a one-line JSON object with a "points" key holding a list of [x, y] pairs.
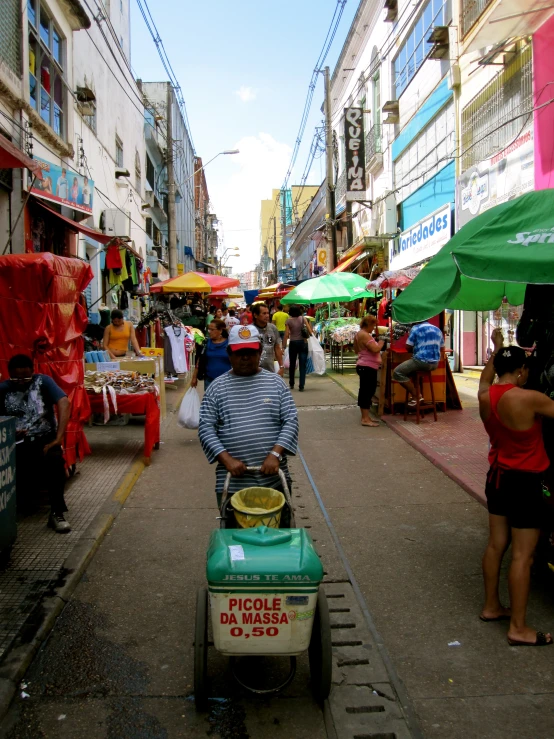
{"points": [[368, 700]]}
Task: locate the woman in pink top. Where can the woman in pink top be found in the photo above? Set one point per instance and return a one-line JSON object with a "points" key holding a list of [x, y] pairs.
{"points": [[369, 361]]}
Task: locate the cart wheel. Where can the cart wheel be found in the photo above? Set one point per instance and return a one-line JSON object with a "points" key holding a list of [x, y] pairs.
{"points": [[201, 651], [320, 650]]}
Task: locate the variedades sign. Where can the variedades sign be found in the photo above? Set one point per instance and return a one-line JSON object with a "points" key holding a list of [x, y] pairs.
{"points": [[355, 156], [423, 240]]}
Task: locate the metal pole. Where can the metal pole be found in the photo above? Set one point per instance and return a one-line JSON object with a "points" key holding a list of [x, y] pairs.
{"points": [[275, 275], [284, 227], [171, 210], [331, 230]]}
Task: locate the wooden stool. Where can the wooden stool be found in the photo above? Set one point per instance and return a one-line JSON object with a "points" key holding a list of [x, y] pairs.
{"points": [[418, 378]]}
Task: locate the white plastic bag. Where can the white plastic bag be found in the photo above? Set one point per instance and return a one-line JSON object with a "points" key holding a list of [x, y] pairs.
{"points": [[317, 355], [189, 412], [286, 358]]}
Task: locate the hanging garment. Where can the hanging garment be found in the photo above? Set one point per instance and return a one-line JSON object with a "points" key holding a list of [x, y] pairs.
{"points": [[124, 273], [114, 278], [169, 367], [177, 338], [113, 257], [134, 272]]}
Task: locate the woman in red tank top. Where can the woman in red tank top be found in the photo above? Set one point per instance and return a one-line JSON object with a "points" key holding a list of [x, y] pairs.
{"points": [[518, 460]]}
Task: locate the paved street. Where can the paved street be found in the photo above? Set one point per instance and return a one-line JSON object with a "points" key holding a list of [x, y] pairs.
{"points": [[119, 660]]}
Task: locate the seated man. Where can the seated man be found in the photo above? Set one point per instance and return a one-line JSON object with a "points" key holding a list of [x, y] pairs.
{"points": [[425, 343], [30, 399]]}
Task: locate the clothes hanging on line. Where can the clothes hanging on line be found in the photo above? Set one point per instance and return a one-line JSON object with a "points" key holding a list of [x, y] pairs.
{"points": [[176, 337]]}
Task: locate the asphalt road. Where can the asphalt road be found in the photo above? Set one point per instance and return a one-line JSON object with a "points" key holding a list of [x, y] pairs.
{"points": [[119, 660]]}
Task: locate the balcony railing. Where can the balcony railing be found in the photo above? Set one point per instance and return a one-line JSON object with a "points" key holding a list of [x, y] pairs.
{"points": [[471, 11], [373, 143]]}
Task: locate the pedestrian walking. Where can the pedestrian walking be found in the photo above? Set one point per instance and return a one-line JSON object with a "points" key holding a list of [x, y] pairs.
{"points": [[297, 332], [213, 359], [231, 319], [31, 400], [280, 318], [247, 418], [424, 342], [272, 349], [518, 461], [368, 365]]}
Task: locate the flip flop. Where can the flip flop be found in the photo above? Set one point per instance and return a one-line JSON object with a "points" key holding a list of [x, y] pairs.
{"points": [[503, 617], [540, 641]]}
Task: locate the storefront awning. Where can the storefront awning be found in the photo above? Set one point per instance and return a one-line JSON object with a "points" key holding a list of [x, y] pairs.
{"points": [[12, 158], [80, 228], [343, 266]]}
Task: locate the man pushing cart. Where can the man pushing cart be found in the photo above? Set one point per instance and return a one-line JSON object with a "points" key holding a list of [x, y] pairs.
{"points": [[263, 595]]}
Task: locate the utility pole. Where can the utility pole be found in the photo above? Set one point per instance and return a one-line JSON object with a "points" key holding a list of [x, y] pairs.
{"points": [[331, 230], [171, 211], [284, 226], [275, 275]]}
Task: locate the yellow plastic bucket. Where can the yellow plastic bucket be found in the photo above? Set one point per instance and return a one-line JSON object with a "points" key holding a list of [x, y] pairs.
{"points": [[258, 507]]}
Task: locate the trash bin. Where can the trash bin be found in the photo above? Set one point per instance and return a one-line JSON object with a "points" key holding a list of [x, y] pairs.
{"points": [[263, 585], [258, 507], [8, 523]]}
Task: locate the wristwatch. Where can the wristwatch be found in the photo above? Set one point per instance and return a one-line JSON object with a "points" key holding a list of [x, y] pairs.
{"points": [[276, 454]]}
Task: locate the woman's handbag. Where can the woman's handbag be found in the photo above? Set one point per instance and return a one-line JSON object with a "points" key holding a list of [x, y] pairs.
{"points": [[304, 331]]}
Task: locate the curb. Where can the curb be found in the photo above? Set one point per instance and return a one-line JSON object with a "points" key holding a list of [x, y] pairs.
{"points": [[41, 620], [437, 461], [335, 378]]}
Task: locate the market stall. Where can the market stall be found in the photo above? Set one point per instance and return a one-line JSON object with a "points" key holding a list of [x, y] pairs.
{"points": [[125, 392], [41, 316]]}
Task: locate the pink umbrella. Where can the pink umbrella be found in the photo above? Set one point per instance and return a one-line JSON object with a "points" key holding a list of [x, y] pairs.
{"points": [[395, 280]]}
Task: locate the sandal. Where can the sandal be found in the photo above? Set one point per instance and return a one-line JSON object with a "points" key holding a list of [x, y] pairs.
{"points": [[540, 641]]}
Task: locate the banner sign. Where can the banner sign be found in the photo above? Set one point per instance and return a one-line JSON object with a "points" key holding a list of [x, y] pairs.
{"points": [[502, 177], [63, 186], [423, 240], [287, 275], [355, 153]]}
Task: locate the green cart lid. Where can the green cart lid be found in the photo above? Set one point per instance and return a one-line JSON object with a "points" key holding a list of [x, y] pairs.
{"points": [[261, 556]]}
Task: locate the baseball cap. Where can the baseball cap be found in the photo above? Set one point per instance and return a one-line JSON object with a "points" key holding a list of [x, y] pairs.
{"points": [[244, 337]]}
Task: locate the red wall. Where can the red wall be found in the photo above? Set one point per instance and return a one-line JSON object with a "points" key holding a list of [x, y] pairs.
{"points": [[543, 90]]}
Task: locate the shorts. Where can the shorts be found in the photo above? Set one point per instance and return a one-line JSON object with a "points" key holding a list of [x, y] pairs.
{"points": [[518, 496], [409, 367]]}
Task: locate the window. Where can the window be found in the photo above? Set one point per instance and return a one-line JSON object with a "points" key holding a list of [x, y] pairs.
{"points": [[150, 172], [500, 112], [10, 35], [138, 173], [90, 119], [414, 49], [47, 93], [148, 228], [427, 154], [118, 151]]}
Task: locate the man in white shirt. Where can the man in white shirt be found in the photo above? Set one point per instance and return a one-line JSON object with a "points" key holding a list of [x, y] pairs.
{"points": [[231, 320]]}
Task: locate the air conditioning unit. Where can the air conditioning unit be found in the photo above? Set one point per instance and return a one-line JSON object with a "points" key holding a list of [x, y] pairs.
{"points": [[116, 222]]}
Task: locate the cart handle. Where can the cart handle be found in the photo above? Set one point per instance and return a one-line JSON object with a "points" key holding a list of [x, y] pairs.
{"points": [[282, 478]]}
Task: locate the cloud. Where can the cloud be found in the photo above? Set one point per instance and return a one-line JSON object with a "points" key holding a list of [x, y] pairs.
{"points": [[262, 164], [246, 94]]}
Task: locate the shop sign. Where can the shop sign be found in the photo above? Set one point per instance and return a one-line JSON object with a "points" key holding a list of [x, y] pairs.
{"points": [[423, 240], [180, 269], [287, 275], [63, 186], [322, 257], [355, 156], [504, 176]]}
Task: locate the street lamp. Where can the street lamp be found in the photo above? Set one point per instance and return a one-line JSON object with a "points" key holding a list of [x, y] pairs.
{"points": [[227, 151]]}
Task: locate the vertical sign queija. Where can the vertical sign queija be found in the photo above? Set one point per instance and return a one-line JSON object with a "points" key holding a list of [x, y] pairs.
{"points": [[355, 153]]}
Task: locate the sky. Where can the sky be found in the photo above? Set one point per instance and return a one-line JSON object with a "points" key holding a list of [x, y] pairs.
{"points": [[244, 68]]}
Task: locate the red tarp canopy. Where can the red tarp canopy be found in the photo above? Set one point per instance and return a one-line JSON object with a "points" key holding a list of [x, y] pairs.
{"points": [[12, 158], [40, 316]]}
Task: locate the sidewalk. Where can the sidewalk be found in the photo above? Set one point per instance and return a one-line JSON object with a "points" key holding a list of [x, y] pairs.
{"points": [[457, 444], [44, 567]]}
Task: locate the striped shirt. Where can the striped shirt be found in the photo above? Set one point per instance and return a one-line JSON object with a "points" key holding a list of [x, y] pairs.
{"points": [[247, 417]]}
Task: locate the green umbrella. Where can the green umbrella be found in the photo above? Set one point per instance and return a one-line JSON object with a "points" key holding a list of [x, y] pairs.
{"points": [[493, 256], [338, 287]]}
